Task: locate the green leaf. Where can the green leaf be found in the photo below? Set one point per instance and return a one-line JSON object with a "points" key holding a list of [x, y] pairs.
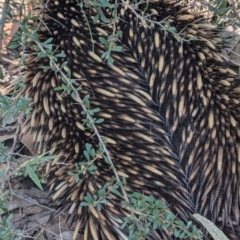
{"points": [[177, 232], [179, 223], [103, 40], [86, 101], [70, 173], [96, 18], [160, 204], [193, 38], [58, 88], [119, 33], [101, 192], [110, 60], [92, 169], [106, 54], [99, 207], [2, 172], [24, 28], [48, 40], [46, 67], [104, 201], [77, 179], [64, 64], [86, 154], [170, 218], [100, 120], [9, 219], [155, 225], [116, 192], [124, 224], [48, 47], [33, 176], [88, 147], [183, 235], [146, 231], [93, 152], [26, 19], [166, 226], [107, 160], [117, 48], [89, 198], [60, 55], [171, 29], [215, 232], [95, 110], [84, 204], [189, 224], [1, 74], [12, 45], [33, 36], [105, 3]]}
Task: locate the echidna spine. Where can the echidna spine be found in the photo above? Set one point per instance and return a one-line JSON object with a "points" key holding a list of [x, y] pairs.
{"points": [[171, 114]]}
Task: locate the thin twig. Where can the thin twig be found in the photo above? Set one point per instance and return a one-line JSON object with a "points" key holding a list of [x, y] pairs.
{"points": [[89, 117]]}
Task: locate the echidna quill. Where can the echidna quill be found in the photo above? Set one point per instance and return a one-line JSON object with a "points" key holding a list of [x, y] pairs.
{"points": [[171, 110]]}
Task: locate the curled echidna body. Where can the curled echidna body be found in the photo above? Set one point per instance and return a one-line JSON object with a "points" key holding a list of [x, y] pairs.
{"points": [[171, 110]]}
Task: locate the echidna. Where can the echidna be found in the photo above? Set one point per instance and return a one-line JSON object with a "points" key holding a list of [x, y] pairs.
{"points": [[171, 110]]}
